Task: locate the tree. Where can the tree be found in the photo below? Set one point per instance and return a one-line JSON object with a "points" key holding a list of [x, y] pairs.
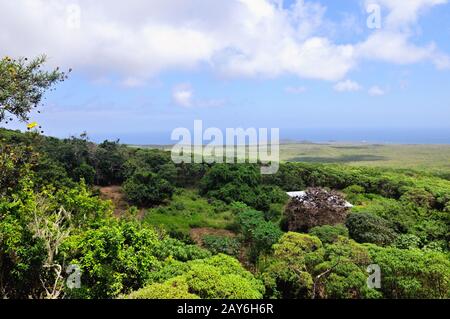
{"points": [[412, 273], [259, 233], [23, 84], [368, 228], [329, 234], [147, 189], [316, 208], [51, 230], [109, 160], [301, 267], [216, 277], [288, 272]]}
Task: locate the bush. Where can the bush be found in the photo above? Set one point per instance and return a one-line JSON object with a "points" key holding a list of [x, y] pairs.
{"points": [[240, 183], [287, 274], [217, 277], [85, 172], [176, 288], [407, 241], [329, 234], [302, 268], [147, 189], [221, 244], [264, 236], [368, 228], [260, 233], [412, 273]]}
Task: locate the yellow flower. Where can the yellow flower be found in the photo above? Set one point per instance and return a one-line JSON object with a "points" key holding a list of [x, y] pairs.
{"points": [[32, 125]]}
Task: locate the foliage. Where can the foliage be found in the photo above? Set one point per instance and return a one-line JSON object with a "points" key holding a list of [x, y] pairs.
{"points": [[407, 241], [23, 84], [329, 234], [412, 273], [217, 277], [188, 210], [109, 162], [368, 228], [176, 288], [301, 267], [240, 183], [145, 188], [287, 274], [221, 244], [259, 233]]}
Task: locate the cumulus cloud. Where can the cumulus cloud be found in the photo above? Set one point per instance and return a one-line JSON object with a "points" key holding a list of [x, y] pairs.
{"points": [[376, 91], [402, 13], [139, 39], [393, 43], [347, 86], [182, 95]]}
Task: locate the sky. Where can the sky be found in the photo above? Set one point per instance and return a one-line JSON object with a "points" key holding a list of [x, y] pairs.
{"points": [[356, 70]]}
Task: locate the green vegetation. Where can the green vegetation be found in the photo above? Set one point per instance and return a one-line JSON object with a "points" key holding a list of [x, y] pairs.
{"points": [[211, 230], [188, 210], [23, 84], [432, 158]]}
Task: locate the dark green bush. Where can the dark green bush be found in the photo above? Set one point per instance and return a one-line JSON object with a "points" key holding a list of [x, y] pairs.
{"points": [[329, 234], [368, 228]]}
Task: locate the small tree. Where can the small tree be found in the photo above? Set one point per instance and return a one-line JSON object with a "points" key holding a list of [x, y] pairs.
{"points": [[23, 84], [316, 208], [52, 230]]}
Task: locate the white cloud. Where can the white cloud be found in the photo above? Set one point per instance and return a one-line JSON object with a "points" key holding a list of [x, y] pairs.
{"points": [[376, 91], [347, 86], [139, 39], [182, 95], [295, 89], [402, 13]]}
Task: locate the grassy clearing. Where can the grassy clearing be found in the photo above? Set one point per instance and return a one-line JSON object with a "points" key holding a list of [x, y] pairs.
{"points": [[421, 157], [188, 210], [435, 158]]}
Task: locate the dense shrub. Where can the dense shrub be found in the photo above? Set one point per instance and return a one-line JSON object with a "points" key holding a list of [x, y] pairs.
{"points": [[368, 228], [407, 241], [221, 244], [259, 233], [217, 277], [288, 273], [301, 267], [175, 288], [412, 273], [121, 256], [145, 188], [329, 234], [240, 183]]}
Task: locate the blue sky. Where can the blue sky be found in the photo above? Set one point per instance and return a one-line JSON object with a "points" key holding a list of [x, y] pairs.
{"points": [[143, 68]]}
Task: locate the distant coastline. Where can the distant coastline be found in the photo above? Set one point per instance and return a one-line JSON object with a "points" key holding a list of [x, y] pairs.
{"points": [[305, 136]]}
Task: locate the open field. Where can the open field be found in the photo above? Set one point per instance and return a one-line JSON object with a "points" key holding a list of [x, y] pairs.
{"points": [[434, 158], [428, 157]]}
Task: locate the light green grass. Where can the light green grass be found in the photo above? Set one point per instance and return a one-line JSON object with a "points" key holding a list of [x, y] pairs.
{"points": [[188, 210], [434, 158], [420, 157]]}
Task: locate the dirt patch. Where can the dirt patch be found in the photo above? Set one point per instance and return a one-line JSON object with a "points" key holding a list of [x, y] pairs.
{"points": [[115, 194], [198, 233]]}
